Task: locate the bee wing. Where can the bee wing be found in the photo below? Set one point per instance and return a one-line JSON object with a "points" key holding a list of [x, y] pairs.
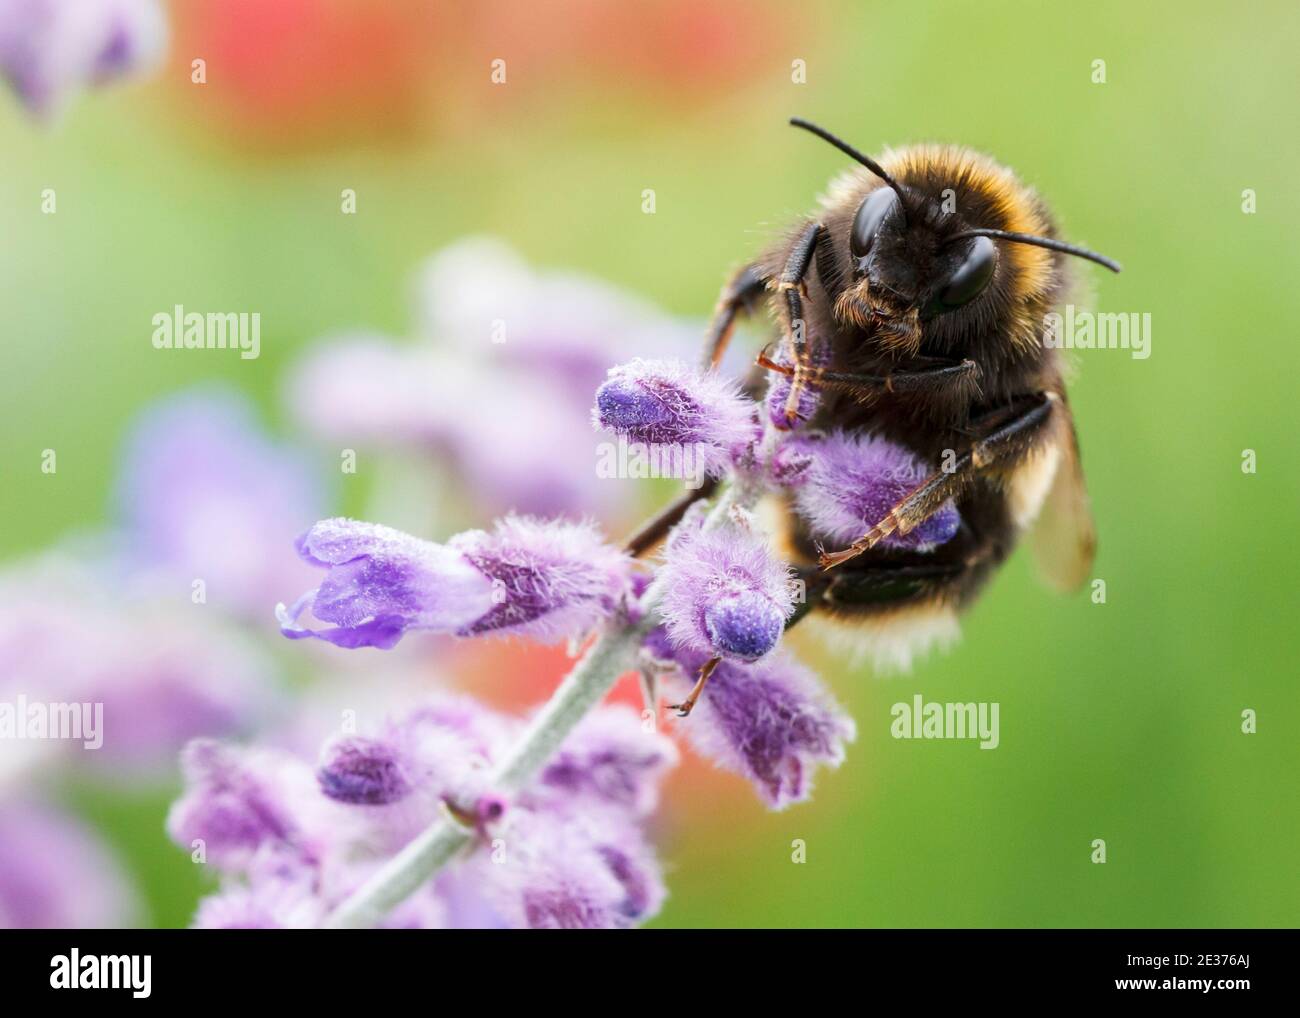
{"points": [[1064, 537]]}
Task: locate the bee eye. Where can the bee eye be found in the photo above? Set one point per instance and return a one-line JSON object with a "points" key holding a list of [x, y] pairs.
{"points": [[971, 277], [866, 224]]}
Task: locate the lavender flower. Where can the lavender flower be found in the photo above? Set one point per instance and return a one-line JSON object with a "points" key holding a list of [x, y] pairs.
{"points": [[724, 592], [850, 483], [49, 49], [567, 851], [363, 772], [572, 872], [55, 873], [242, 803], [665, 404], [609, 759], [544, 581], [204, 494], [73, 630], [771, 722], [382, 582]]}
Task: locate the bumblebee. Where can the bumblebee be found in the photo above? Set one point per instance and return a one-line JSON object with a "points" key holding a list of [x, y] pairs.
{"points": [[913, 301]]}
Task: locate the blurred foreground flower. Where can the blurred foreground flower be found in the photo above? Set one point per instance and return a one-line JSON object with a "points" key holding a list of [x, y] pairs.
{"points": [[568, 850], [51, 49]]}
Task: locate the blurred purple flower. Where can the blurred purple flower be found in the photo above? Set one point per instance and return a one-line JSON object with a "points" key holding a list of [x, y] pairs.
{"points": [[541, 580], [241, 804], [500, 382], [724, 592], [55, 873], [611, 759], [50, 49], [567, 871], [851, 481], [567, 851], [163, 670], [203, 494]]}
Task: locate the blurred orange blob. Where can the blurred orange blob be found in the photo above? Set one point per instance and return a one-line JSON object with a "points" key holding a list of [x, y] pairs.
{"points": [[292, 73]]}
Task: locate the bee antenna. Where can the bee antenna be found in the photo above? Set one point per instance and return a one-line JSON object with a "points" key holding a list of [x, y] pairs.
{"points": [[853, 154], [1047, 242]]}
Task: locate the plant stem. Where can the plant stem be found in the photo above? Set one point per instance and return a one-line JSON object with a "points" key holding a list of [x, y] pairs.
{"points": [[612, 655]]}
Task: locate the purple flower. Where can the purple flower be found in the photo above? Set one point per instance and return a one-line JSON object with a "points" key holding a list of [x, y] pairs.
{"points": [[551, 580], [852, 481], [381, 582], [724, 592], [240, 803], [55, 873], [771, 722], [363, 771], [571, 872], [541, 580], [50, 49], [664, 404], [203, 494], [568, 850], [163, 668], [610, 759]]}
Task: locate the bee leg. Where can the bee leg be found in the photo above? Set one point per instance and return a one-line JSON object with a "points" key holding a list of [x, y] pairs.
{"points": [[741, 293], [684, 708], [655, 529], [793, 286], [943, 377], [1001, 438]]}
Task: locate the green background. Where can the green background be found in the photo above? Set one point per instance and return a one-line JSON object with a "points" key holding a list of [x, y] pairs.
{"points": [[1119, 721]]}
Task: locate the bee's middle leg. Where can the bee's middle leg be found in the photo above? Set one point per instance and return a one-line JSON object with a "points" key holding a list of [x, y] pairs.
{"points": [[1002, 438]]}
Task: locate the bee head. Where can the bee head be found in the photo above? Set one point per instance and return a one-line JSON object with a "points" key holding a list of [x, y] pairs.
{"points": [[911, 256], [914, 263]]}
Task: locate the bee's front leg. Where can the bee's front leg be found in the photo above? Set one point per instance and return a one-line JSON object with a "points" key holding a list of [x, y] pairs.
{"points": [[1002, 438], [793, 286]]}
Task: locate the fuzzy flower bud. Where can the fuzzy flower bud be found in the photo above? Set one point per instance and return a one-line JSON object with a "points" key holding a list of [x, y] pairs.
{"points": [[724, 593], [542, 580], [665, 404], [850, 483], [771, 722], [362, 771]]}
